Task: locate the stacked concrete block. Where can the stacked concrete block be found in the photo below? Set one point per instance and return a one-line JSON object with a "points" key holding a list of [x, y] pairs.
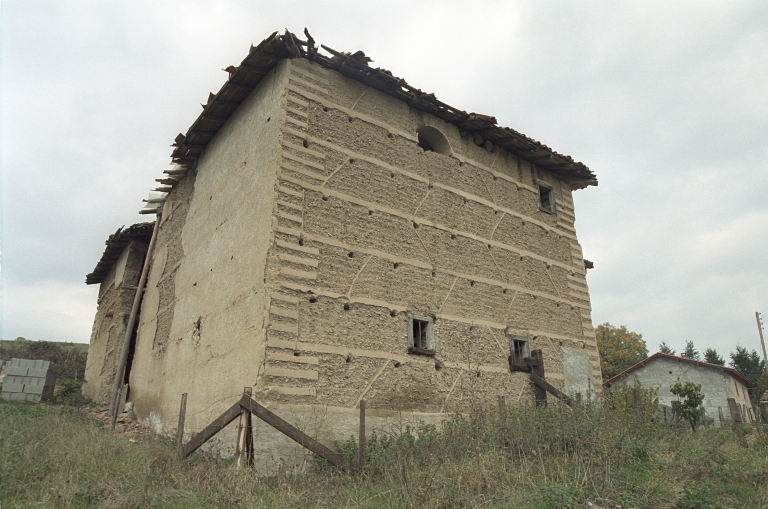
{"points": [[29, 380]]}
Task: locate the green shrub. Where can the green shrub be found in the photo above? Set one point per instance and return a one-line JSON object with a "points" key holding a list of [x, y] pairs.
{"points": [[70, 392], [690, 407], [621, 397]]}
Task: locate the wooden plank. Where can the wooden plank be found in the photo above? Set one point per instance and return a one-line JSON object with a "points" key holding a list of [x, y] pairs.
{"points": [[539, 391], [735, 411], [544, 385], [180, 429], [361, 439], [293, 433], [244, 449], [196, 441]]}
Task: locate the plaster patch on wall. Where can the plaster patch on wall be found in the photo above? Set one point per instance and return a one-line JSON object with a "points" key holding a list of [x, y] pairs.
{"points": [[577, 369]]}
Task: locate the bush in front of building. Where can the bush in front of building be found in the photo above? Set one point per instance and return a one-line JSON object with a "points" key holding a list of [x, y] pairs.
{"points": [[691, 398]]}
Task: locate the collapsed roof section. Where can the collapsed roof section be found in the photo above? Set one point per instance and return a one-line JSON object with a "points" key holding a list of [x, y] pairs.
{"points": [[115, 245], [264, 57]]}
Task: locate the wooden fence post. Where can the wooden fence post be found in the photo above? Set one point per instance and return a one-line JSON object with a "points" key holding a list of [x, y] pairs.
{"points": [[720, 415], [245, 435], [361, 439], [180, 429], [665, 415], [502, 408]]}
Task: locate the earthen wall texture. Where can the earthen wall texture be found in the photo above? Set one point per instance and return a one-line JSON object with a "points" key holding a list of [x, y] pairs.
{"points": [[116, 294], [368, 227], [313, 225], [202, 320]]}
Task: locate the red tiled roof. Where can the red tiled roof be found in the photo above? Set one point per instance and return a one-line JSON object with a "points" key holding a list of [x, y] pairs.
{"points": [[658, 355]]}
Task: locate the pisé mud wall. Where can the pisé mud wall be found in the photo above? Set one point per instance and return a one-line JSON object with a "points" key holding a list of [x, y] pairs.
{"points": [[369, 228], [314, 227], [203, 316], [116, 294]]}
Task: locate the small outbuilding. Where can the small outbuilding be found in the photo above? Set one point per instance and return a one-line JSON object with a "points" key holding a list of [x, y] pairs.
{"points": [[725, 389]]}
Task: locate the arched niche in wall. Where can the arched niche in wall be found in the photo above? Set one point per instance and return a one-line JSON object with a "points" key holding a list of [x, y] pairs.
{"points": [[432, 140]]}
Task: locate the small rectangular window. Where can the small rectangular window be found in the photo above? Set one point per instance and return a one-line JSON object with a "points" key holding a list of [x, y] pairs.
{"points": [[519, 349], [546, 198], [421, 335]]}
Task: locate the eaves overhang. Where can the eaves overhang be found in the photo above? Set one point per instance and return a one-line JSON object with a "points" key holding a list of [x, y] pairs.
{"points": [[263, 58], [115, 245]]}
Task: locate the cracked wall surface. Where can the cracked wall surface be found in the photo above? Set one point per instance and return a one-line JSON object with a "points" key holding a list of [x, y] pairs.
{"points": [[116, 294]]}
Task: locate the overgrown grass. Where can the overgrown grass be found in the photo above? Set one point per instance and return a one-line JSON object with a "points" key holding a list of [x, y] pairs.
{"points": [[532, 457]]}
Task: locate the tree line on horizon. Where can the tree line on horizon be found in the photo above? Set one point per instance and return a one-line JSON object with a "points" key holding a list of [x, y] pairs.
{"points": [[621, 349]]}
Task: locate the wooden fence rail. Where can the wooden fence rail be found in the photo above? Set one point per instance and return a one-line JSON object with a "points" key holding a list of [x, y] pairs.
{"points": [[250, 405]]}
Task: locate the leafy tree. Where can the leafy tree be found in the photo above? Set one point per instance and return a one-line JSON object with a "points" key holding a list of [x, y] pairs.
{"points": [[711, 356], [620, 397], [665, 348], [619, 349], [690, 407], [747, 363], [750, 365], [757, 392], [690, 351]]}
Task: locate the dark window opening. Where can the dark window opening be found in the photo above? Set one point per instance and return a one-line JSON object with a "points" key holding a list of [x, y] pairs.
{"points": [[421, 339], [419, 331], [131, 352], [546, 199], [432, 140], [519, 349], [424, 144]]}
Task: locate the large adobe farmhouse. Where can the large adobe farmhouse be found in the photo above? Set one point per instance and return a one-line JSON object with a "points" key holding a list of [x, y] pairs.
{"points": [[330, 234]]}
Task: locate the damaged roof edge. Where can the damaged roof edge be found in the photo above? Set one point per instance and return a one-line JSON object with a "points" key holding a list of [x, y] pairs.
{"points": [[264, 57], [115, 245]]}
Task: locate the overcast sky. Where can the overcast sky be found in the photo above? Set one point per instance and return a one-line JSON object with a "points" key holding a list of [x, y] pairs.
{"points": [[667, 102]]}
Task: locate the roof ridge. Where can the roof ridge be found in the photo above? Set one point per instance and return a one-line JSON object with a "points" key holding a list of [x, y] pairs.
{"points": [[659, 355]]}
